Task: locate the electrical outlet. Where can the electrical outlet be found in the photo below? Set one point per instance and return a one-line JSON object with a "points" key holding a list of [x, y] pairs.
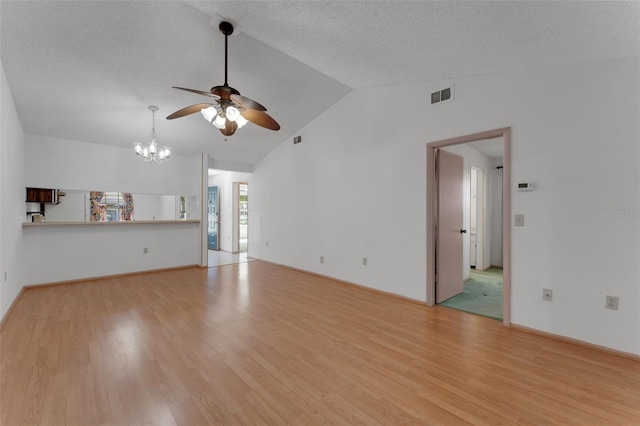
{"points": [[321, 259], [519, 220], [145, 250], [612, 303], [547, 294], [364, 261]]}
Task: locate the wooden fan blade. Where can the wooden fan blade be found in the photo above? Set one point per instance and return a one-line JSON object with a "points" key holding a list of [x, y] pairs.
{"points": [[260, 118], [229, 128], [199, 92], [188, 110], [247, 103]]}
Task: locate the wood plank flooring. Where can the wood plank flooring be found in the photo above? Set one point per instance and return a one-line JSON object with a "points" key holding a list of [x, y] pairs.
{"points": [[255, 343]]}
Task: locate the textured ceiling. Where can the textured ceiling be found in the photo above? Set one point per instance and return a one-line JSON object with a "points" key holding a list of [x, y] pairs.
{"points": [[87, 70]]}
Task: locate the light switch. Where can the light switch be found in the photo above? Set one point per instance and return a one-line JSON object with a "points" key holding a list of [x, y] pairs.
{"points": [[519, 220]]}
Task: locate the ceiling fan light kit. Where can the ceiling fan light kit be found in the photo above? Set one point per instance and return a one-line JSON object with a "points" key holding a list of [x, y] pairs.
{"points": [[150, 153], [219, 118], [231, 110]]}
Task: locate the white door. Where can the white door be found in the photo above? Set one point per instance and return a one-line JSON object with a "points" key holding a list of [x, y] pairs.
{"points": [[449, 242]]}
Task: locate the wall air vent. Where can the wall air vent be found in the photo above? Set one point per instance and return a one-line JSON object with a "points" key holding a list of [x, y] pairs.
{"points": [[444, 95]]}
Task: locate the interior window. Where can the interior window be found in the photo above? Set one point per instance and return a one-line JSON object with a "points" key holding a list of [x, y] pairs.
{"points": [[111, 206]]}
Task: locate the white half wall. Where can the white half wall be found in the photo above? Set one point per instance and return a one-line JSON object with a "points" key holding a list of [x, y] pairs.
{"points": [[355, 187], [12, 196], [64, 253]]}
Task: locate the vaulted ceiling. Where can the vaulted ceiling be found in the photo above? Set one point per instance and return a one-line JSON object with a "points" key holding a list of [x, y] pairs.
{"points": [[87, 70]]}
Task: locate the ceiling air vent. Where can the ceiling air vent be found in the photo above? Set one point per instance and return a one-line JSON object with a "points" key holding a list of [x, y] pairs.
{"points": [[444, 95]]}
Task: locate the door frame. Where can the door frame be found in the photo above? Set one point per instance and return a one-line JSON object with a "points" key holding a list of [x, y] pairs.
{"points": [[505, 134]]}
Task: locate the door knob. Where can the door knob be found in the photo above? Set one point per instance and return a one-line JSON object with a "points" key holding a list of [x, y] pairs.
{"points": [[463, 231]]}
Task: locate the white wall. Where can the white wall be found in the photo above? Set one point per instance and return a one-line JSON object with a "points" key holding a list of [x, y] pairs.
{"points": [[12, 196], [67, 164], [355, 187], [155, 207], [73, 207], [192, 206], [224, 181]]}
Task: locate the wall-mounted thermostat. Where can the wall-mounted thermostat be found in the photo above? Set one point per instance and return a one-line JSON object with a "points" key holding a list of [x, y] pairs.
{"points": [[525, 186]]}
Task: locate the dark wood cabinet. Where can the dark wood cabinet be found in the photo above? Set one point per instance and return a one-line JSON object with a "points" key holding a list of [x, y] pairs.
{"points": [[41, 195]]}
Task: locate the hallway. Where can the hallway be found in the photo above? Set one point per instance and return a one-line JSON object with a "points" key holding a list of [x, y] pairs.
{"points": [[482, 294], [219, 257]]}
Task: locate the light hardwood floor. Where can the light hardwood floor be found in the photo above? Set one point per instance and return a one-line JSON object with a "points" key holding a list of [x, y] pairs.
{"points": [[254, 343]]}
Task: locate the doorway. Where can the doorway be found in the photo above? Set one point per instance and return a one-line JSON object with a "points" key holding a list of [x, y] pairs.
{"points": [[439, 274], [213, 218], [240, 234], [479, 283]]}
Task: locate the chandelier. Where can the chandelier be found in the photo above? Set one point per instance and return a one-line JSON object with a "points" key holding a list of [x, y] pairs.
{"points": [[151, 154]]}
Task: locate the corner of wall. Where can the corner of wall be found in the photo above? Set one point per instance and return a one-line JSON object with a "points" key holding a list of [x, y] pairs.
{"points": [[11, 197]]}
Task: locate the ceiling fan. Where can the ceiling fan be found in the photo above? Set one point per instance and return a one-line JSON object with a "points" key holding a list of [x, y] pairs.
{"points": [[231, 110]]}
